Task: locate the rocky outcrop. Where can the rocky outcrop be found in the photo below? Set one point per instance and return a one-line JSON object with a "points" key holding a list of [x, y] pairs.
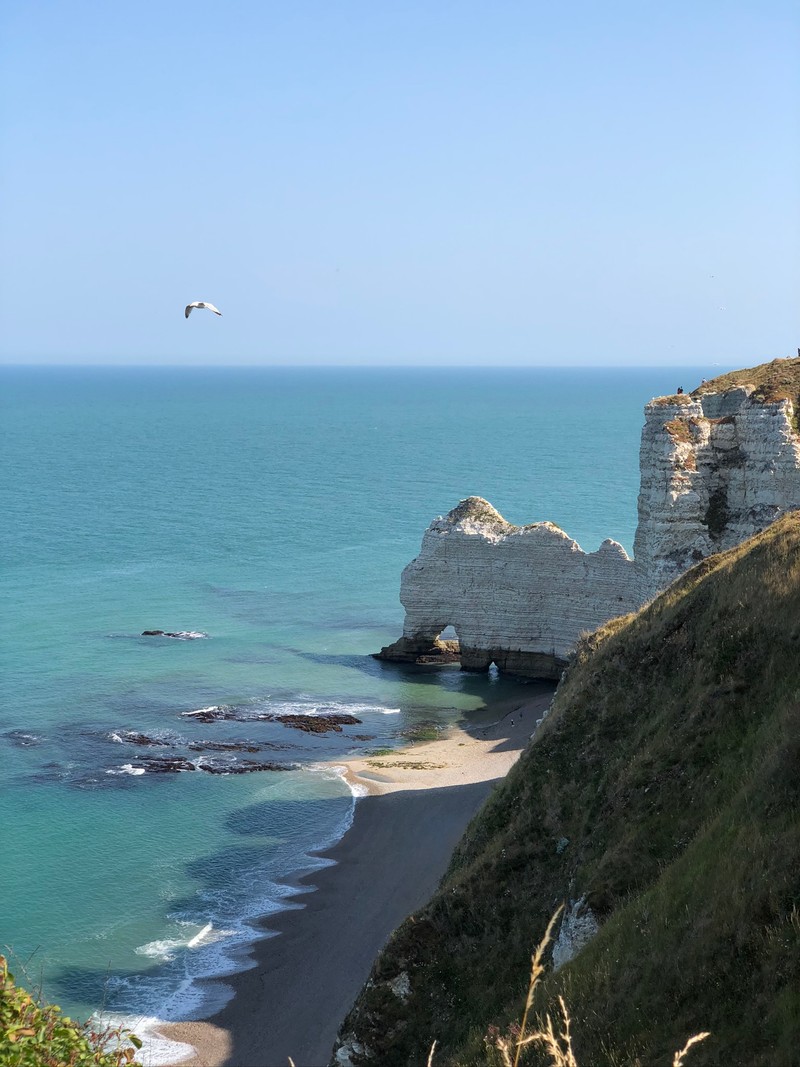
{"points": [[578, 926], [717, 466], [310, 724], [420, 651], [178, 764], [181, 635], [518, 596]]}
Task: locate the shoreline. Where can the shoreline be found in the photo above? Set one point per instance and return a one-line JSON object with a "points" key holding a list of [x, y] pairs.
{"points": [[414, 806]]}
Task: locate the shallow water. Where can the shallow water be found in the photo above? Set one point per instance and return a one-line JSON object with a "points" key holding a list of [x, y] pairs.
{"points": [[273, 511]]}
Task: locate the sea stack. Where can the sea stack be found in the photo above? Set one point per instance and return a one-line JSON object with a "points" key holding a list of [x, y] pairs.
{"points": [[716, 466]]}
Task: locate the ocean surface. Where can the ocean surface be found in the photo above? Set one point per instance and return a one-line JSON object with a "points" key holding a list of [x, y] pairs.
{"points": [[269, 512]]}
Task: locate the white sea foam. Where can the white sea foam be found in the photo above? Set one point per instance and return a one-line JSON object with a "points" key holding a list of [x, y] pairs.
{"points": [[330, 707], [308, 707], [198, 937], [214, 940], [156, 1049], [168, 948], [204, 711], [164, 950], [126, 768], [340, 772], [203, 949], [22, 738]]}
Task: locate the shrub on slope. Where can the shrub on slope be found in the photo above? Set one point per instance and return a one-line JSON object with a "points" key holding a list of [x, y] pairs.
{"points": [[663, 792], [39, 1035]]}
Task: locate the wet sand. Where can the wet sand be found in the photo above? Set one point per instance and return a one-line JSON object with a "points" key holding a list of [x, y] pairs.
{"points": [[420, 800]]}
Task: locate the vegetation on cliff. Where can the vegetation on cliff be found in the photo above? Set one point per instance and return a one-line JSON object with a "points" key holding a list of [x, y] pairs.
{"points": [[663, 793], [777, 380], [39, 1035], [476, 509]]}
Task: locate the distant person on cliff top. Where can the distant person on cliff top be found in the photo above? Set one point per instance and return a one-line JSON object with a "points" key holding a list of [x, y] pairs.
{"points": [[680, 390]]}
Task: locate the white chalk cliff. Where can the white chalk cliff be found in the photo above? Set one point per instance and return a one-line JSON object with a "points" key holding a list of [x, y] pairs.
{"points": [[716, 467]]}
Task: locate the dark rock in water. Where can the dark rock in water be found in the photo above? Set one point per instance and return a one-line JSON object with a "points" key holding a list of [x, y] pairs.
{"points": [[422, 651], [131, 737], [246, 766], [166, 764], [311, 724], [182, 635], [225, 746], [317, 724], [22, 739], [223, 712], [178, 764]]}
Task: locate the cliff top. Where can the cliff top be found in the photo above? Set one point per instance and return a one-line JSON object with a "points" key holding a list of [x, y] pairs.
{"points": [[777, 380], [476, 509]]}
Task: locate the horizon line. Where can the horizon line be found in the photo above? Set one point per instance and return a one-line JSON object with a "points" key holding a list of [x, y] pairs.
{"points": [[365, 366]]}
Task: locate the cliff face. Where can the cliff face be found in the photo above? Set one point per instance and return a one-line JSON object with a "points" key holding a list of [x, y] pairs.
{"points": [[716, 467]]}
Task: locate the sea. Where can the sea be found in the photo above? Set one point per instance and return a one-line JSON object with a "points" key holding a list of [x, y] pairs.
{"points": [[264, 516]]}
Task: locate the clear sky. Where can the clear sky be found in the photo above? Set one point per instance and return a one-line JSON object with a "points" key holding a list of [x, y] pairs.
{"points": [[381, 182]]}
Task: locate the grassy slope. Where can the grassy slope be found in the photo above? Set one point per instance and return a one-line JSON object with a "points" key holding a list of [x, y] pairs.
{"points": [[776, 380], [671, 761]]}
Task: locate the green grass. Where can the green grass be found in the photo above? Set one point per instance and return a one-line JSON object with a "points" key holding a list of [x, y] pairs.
{"points": [[776, 380], [422, 731], [671, 762]]}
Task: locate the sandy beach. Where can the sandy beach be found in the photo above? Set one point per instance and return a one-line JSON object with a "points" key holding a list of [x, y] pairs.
{"points": [[418, 803]]}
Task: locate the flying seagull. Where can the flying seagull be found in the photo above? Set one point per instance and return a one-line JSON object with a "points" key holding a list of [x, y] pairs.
{"points": [[200, 304]]}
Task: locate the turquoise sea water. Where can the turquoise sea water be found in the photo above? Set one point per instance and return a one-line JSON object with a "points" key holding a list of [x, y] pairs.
{"points": [[272, 510]]}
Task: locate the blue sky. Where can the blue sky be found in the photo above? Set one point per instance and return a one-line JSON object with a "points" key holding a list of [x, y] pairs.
{"points": [[400, 183]]}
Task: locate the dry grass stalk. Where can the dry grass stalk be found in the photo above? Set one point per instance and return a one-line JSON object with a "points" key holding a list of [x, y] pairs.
{"points": [[677, 1060], [537, 970], [430, 1055], [557, 1042]]}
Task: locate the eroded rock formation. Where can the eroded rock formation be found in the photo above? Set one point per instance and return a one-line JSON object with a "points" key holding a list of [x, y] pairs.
{"points": [[716, 467], [518, 596]]}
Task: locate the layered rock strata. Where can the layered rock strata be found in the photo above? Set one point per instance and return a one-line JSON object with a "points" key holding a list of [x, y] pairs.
{"points": [[518, 596], [716, 467]]}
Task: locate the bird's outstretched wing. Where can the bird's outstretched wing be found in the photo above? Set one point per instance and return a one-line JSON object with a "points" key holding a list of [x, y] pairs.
{"points": [[200, 304]]}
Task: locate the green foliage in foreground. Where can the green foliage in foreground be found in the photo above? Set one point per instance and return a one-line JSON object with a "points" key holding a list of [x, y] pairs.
{"points": [[664, 790], [36, 1035]]}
